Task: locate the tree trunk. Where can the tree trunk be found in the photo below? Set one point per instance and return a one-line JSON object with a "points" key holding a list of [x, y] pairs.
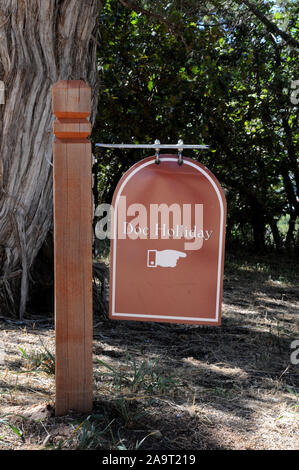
{"points": [[41, 42], [275, 232], [290, 238], [258, 224]]}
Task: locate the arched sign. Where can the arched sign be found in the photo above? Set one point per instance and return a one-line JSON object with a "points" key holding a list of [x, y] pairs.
{"points": [[167, 243]]}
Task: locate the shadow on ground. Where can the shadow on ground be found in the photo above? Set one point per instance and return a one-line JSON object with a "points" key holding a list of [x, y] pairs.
{"points": [[231, 386]]}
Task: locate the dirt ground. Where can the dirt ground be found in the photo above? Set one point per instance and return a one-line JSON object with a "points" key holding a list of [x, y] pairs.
{"points": [[164, 386]]}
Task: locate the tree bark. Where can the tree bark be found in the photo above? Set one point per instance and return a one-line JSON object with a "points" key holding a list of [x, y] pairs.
{"points": [[290, 238], [41, 42], [275, 232], [258, 222]]}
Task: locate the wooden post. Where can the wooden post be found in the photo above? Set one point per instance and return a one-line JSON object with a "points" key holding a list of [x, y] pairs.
{"points": [[73, 246]]}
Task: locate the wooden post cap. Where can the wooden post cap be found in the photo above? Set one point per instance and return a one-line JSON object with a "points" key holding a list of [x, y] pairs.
{"points": [[71, 103], [71, 128], [71, 99]]}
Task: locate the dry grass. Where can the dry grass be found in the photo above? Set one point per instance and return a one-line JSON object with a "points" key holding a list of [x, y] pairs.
{"points": [[170, 387]]}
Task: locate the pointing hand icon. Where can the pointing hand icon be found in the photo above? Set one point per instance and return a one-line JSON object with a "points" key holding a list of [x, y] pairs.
{"points": [[164, 258]]}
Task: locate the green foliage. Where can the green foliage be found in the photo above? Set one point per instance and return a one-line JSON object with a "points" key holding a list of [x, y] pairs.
{"points": [[12, 427], [122, 445], [212, 75], [146, 376], [42, 360], [89, 434]]}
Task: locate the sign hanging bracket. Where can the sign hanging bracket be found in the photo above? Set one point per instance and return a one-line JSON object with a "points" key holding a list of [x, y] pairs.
{"points": [[157, 146], [157, 161], [179, 146], [180, 152]]}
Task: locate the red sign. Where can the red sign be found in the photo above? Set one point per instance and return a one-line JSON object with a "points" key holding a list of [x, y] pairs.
{"points": [[167, 246]]}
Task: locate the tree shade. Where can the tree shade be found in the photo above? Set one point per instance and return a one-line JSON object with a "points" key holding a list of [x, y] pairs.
{"points": [[217, 75]]}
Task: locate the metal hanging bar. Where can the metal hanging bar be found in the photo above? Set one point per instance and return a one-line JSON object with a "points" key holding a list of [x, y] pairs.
{"points": [[153, 146]]}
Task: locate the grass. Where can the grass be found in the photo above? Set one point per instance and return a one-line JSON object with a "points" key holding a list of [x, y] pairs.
{"points": [[273, 266], [42, 360], [171, 387], [147, 376], [296, 396], [94, 433], [15, 429], [89, 434], [122, 445]]}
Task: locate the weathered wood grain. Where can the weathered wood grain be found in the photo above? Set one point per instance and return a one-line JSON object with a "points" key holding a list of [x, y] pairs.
{"points": [[41, 42], [73, 250]]}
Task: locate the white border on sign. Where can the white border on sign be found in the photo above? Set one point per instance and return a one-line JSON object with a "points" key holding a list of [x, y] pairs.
{"points": [[165, 317]]}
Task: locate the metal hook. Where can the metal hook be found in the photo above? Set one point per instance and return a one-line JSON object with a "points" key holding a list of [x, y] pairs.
{"points": [[180, 152], [157, 160]]}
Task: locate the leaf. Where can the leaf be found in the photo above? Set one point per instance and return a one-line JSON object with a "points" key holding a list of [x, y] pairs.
{"points": [[24, 353], [150, 85], [278, 15], [16, 430], [106, 365]]}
